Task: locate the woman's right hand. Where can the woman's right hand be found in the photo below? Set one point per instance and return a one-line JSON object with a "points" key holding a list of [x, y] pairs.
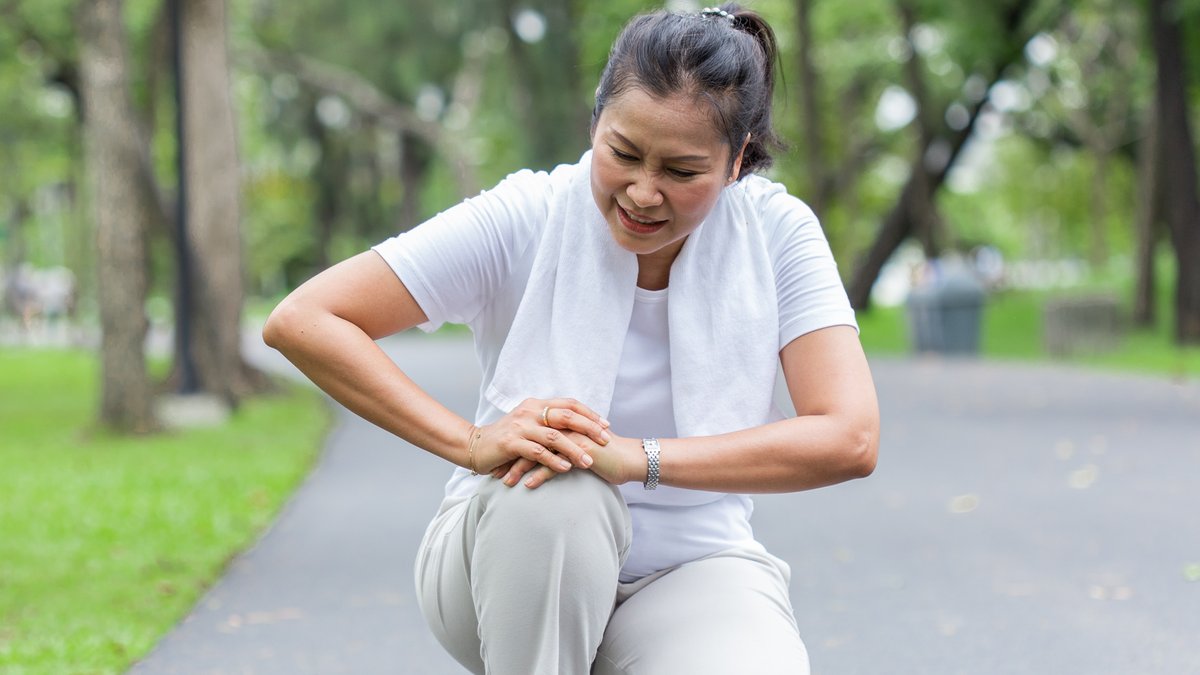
{"points": [[533, 434]]}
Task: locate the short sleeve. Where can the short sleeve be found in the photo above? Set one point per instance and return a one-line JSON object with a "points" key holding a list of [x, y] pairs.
{"points": [[455, 262], [810, 291]]}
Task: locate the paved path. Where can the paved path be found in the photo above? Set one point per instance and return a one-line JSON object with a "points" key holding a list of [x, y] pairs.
{"points": [[1021, 520]]}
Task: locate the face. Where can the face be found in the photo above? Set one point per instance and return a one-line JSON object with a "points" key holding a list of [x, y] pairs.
{"points": [[658, 167]]}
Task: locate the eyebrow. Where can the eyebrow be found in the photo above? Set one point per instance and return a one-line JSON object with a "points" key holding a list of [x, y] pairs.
{"points": [[677, 158]]}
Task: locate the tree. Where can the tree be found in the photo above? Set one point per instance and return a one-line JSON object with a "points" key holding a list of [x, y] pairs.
{"points": [[213, 185], [1147, 221], [1103, 49], [113, 160], [830, 175], [938, 149], [1180, 196]]}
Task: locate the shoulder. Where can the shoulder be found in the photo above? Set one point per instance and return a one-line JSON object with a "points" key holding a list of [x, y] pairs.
{"points": [[525, 195], [768, 205], [772, 199]]}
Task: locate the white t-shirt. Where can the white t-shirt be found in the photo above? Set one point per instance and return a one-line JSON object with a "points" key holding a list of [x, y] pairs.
{"points": [[470, 264]]}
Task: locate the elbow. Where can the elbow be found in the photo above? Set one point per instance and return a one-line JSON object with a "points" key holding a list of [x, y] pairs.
{"points": [[862, 452], [280, 325]]}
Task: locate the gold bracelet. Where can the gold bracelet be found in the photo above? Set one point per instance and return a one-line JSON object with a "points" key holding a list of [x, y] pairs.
{"points": [[475, 434]]}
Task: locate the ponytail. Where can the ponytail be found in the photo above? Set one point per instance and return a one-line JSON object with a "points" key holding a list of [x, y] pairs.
{"points": [[752, 23]]}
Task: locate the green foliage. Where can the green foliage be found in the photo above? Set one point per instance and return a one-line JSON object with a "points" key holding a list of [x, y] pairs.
{"points": [[108, 541], [1031, 172], [1037, 202]]}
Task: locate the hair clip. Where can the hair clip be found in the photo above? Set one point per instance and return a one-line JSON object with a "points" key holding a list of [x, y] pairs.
{"points": [[717, 11]]}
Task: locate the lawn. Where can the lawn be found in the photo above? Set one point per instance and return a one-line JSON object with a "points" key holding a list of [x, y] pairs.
{"points": [[107, 541]]}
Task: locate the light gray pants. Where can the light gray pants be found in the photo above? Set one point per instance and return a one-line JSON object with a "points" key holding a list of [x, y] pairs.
{"points": [[516, 581]]}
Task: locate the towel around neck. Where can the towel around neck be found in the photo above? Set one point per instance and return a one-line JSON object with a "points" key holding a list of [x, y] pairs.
{"points": [[569, 330]]}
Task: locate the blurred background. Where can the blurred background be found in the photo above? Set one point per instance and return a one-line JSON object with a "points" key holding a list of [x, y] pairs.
{"points": [[1020, 139], [1002, 178]]}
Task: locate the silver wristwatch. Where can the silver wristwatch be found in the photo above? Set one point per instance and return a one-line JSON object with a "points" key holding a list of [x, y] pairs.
{"points": [[650, 445]]}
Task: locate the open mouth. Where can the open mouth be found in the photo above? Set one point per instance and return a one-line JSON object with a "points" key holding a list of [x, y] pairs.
{"points": [[639, 224]]}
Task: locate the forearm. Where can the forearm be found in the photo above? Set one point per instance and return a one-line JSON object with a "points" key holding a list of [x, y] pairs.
{"points": [[341, 359], [795, 454]]}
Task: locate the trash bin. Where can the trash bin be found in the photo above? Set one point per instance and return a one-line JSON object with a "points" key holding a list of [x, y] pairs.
{"points": [[945, 313]]}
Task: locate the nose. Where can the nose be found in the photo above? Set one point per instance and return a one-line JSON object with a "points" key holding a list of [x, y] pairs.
{"points": [[643, 191]]}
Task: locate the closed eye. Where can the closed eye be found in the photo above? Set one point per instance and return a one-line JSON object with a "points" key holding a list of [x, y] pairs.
{"points": [[622, 156]]}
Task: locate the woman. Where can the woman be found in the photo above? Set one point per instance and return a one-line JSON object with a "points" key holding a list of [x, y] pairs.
{"points": [[629, 312]]}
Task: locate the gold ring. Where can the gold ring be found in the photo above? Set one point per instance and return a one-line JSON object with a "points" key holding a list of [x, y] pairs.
{"points": [[545, 412]]}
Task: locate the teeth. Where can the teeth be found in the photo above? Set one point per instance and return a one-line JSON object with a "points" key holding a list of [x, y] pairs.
{"points": [[639, 220]]}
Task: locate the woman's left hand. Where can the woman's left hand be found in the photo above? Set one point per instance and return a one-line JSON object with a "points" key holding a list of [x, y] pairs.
{"points": [[619, 461]]}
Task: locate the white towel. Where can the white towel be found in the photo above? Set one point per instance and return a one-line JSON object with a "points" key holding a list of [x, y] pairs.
{"points": [[569, 330]]}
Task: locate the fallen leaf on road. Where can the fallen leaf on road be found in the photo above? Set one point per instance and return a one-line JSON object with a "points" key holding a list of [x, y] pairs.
{"points": [[1084, 477], [964, 503], [1191, 572]]}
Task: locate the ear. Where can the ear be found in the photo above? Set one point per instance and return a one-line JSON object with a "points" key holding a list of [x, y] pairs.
{"points": [[736, 169]]}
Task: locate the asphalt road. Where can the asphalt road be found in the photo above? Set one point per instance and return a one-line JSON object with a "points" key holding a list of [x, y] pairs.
{"points": [[1021, 520]]}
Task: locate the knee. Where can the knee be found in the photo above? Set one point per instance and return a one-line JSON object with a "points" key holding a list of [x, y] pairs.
{"points": [[574, 504]]}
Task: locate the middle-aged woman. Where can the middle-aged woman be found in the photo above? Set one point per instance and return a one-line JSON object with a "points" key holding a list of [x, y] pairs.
{"points": [[630, 312]]}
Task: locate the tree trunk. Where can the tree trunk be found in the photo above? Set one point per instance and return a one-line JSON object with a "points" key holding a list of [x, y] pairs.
{"points": [[14, 258], [921, 205], [1181, 200], [1146, 220], [213, 205], [1098, 246], [331, 177], [112, 158], [819, 177], [415, 162]]}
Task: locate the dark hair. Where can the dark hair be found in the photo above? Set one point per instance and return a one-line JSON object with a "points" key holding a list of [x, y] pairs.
{"points": [[724, 56]]}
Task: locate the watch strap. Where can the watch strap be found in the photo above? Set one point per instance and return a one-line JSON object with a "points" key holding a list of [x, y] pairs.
{"points": [[650, 445]]}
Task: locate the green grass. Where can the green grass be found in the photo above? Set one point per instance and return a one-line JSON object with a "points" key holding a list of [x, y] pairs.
{"points": [[107, 541], [1012, 329]]}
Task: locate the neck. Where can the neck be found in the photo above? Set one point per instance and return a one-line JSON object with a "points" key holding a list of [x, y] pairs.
{"points": [[654, 269]]}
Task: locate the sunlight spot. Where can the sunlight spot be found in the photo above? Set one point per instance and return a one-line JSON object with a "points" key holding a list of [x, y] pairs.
{"points": [[957, 116], [682, 6], [56, 101], [895, 110], [975, 88], [1041, 49], [530, 25], [1009, 96], [333, 112], [430, 102], [1064, 449], [927, 39], [899, 50]]}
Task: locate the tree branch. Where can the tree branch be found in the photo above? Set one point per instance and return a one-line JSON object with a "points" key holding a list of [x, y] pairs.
{"points": [[366, 98]]}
